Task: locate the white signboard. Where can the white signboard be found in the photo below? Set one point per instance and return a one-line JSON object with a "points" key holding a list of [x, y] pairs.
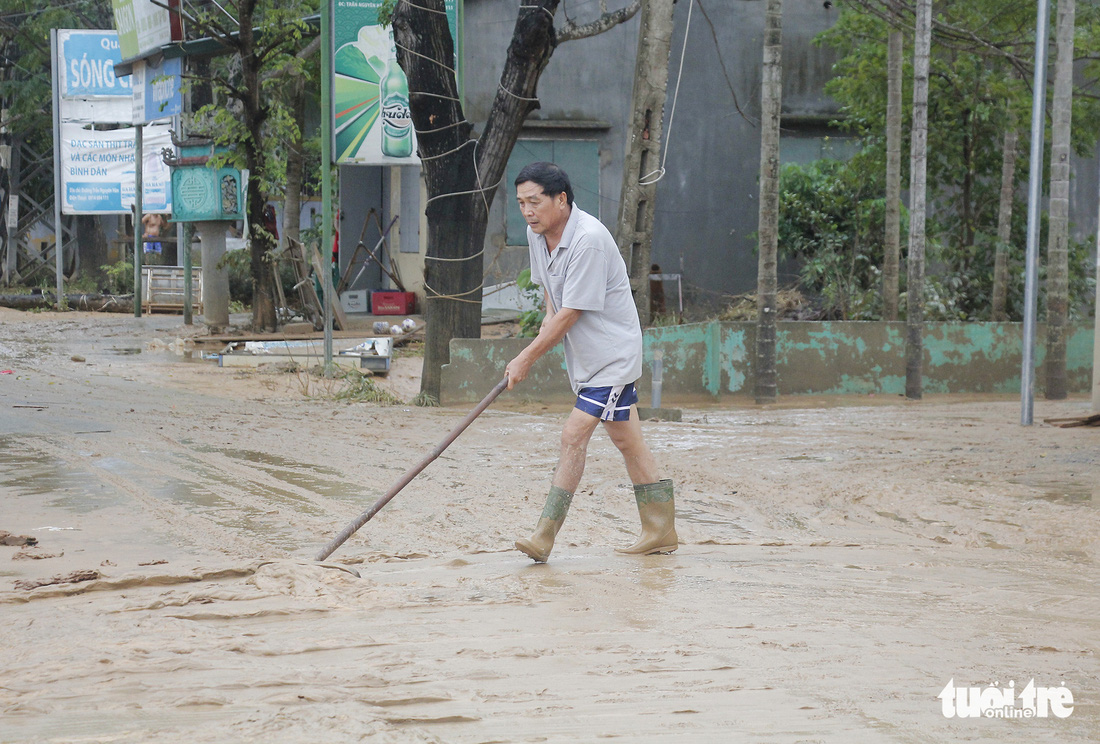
{"points": [[97, 170], [143, 26]]}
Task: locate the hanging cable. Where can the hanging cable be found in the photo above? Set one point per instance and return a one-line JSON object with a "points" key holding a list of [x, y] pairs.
{"points": [[424, 8], [514, 95]]}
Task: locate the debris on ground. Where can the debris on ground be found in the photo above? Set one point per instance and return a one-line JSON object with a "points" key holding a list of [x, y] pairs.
{"points": [[35, 555], [75, 577], [1067, 423], [6, 538]]}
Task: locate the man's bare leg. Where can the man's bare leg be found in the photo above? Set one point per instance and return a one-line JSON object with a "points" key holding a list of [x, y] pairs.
{"points": [[574, 449], [627, 438]]}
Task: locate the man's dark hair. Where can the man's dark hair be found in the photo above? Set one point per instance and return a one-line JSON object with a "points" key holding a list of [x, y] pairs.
{"points": [[550, 177]]}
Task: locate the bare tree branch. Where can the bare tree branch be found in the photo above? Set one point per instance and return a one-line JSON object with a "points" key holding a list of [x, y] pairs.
{"points": [[572, 31]]}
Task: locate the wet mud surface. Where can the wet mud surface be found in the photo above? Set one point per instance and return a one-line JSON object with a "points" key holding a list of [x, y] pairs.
{"points": [[840, 562]]}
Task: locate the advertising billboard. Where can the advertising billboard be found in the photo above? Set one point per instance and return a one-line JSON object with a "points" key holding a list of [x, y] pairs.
{"points": [[144, 26], [157, 93], [370, 93], [97, 170]]}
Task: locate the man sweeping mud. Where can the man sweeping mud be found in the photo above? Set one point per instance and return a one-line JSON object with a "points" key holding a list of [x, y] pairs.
{"points": [[589, 306]]}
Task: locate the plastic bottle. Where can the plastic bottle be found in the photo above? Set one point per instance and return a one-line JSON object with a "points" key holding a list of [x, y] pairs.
{"points": [[397, 132]]}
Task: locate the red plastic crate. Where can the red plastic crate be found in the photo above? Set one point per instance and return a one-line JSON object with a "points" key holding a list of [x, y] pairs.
{"points": [[386, 302]]}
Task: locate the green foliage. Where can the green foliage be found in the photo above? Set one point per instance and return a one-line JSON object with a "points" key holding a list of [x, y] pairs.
{"points": [[425, 400], [119, 277], [976, 92], [385, 12], [82, 283], [531, 320], [830, 222], [25, 85], [360, 388], [239, 265]]}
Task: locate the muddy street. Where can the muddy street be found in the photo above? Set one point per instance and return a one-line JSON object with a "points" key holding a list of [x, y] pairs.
{"points": [[840, 563]]}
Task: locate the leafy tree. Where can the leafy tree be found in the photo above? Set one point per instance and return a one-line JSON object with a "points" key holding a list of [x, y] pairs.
{"points": [[25, 94], [832, 221], [981, 60], [253, 112]]}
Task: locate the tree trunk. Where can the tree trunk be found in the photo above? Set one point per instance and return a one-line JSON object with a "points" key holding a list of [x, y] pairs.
{"points": [[10, 232], [1004, 223], [255, 114], [1058, 235], [914, 321], [295, 165], [460, 188], [892, 247], [1096, 328], [768, 230], [457, 210], [638, 203], [91, 243]]}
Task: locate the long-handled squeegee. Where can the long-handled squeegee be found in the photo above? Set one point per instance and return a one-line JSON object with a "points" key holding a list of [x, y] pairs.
{"points": [[412, 473]]}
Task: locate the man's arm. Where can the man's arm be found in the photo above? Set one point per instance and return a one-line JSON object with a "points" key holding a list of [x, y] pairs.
{"points": [[553, 330], [549, 309]]}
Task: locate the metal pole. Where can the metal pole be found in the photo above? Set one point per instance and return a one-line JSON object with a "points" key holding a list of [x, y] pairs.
{"points": [[658, 377], [1034, 196], [326, 177], [59, 233], [14, 186], [188, 290], [139, 132], [1096, 326]]}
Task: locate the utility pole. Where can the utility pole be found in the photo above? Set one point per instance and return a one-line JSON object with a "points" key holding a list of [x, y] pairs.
{"points": [[641, 167], [918, 188], [771, 95]]}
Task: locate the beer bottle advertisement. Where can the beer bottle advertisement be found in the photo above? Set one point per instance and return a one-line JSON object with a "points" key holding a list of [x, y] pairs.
{"points": [[372, 119]]}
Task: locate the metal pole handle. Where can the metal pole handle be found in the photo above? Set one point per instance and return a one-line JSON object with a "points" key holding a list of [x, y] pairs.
{"points": [[411, 473]]}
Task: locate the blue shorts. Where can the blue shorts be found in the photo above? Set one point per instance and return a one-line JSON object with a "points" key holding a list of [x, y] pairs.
{"points": [[608, 403]]}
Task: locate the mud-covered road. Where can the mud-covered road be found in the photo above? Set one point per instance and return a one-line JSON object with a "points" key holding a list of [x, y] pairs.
{"points": [[841, 562]]}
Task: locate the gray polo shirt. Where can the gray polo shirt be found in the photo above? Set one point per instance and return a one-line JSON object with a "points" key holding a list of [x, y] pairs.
{"points": [[585, 272]]}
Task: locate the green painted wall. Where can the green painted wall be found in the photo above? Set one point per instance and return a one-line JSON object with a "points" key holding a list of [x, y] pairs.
{"points": [[709, 361]]}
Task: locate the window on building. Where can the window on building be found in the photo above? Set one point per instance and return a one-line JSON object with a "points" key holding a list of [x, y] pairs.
{"points": [[579, 158]]}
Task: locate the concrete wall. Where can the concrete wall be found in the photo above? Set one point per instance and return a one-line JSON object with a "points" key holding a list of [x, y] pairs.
{"points": [[706, 362]]}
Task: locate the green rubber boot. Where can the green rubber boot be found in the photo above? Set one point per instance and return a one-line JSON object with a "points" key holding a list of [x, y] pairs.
{"points": [[539, 545], [657, 509]]}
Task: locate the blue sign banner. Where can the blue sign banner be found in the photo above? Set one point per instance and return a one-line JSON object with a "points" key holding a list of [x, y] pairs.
{"points": [[88, 64], [157, 90]]}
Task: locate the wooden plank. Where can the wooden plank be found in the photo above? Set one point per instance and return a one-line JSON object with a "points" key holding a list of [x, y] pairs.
{"points": [[305, 360], [1072, 421]]}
